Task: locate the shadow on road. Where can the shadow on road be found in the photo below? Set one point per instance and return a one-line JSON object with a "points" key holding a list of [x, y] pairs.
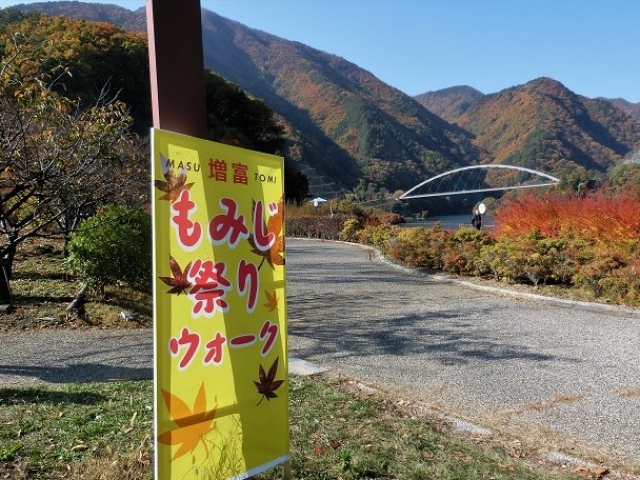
{"points": [[31, 395], [449, 331], [79, 373]]}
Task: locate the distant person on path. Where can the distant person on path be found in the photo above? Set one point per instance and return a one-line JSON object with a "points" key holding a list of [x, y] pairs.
{"points": [[476, 221]]}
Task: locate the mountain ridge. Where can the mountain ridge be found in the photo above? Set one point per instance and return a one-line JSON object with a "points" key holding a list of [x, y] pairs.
{"points": [[351, 107], [346, 126], [542, 123]]}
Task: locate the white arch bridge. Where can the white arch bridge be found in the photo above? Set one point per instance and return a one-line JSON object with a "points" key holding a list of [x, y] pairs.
{"points": [[472, 180]]}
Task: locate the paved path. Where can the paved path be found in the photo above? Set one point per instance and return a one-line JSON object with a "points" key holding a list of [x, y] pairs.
{"points": [[67, 356], [564, 373]]}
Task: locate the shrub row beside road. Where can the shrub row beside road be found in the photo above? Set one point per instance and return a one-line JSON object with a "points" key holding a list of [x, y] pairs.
{"points": [[586, 247]]}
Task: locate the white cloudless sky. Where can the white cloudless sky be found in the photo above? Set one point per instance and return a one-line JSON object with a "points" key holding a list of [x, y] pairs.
{"points": [[590, 46]]}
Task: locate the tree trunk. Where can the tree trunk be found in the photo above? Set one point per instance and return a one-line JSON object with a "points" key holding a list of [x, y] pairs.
{"points": [[10, 254], [76, 309], [5, 291]]}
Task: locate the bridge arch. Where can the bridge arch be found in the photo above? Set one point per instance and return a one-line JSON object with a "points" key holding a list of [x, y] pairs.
{"points": [[548, 180]]}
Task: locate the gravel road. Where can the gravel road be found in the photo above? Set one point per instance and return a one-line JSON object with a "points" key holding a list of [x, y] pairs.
{"points": [[566, 374], [562, 373]]}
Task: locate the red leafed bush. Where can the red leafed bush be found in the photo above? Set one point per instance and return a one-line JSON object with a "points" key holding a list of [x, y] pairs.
{"points": [[597, 217]]}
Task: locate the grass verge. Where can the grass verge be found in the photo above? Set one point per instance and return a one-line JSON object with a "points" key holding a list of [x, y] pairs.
{"points": [[41, 291], [104, 431], [92, 431]]}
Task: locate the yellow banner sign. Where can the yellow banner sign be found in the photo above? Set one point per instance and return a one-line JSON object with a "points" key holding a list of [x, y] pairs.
{"points": [[221, 396]]}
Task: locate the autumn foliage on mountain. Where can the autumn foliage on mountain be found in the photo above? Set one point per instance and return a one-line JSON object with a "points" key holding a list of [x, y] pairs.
{"points": [[345, 127], [86, 60], [341, 121], [632, 109], [544, 125], [450, 103]]}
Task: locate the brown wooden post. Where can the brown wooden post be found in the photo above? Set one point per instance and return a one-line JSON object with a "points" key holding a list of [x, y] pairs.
{"points": [[176, 66]]}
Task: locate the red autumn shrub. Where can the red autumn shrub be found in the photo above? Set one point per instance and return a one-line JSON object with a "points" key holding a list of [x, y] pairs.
{"points": [[601, 217]]}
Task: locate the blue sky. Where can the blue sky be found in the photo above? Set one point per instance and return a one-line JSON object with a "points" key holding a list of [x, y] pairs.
{"points": [[591, 46]]}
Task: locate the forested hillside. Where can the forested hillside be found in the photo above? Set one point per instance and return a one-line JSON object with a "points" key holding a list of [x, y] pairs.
{"points": [[450, 103], [92, 59], [342, 123], [545, 126], [93, 64], [346, 128], [633, 109], [357, 123], [93, 12]]}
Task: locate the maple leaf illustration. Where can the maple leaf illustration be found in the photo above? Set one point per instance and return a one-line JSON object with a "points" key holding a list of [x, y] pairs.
{"points": [[192, 424], [173, 182], [273, 256], [272, 301], [179, 282], [268, 384]]}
